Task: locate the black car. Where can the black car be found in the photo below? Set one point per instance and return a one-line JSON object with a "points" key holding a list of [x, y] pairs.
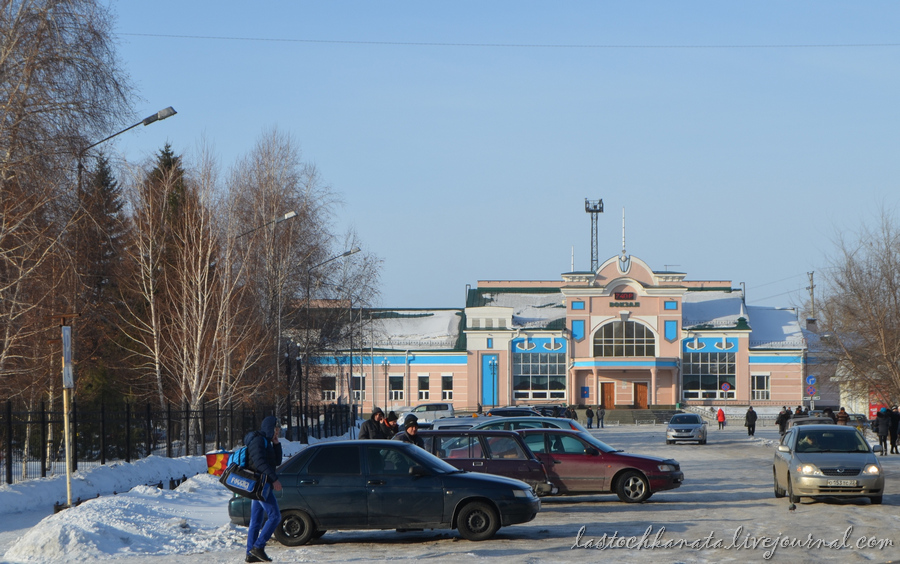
{"points": [[388, 485]]}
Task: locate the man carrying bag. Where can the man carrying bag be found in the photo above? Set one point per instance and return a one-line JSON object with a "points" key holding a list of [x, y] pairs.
{"points": [[263, 455]]}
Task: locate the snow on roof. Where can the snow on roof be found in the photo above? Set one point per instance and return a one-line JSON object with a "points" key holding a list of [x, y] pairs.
{"points": [[715, 308], [775, 328], [530, 309], [404, 329]]}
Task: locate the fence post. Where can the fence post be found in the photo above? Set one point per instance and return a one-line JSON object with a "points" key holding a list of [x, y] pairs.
{"points": [[202, 416], [185, 427], [103, 433], [43, 441], [169, 430], [127, 432], [149, 427], [8, 457], [74, 436]]}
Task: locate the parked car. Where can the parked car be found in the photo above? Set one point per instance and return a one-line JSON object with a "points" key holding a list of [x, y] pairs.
{"points": [[454, 423], [493, 452], [516, 423], [549, 410], [428, 412], [827, 460], [578, 463], [388, 485], [686, 427], [802, 420], [860, 421], [522, 411]]}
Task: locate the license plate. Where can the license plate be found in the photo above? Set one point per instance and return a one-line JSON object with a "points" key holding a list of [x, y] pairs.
{"points": [[851, 483]]}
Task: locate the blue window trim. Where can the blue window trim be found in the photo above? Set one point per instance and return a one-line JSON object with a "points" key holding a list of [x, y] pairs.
{"points": [[578, 329], [670, 305], [490, 343], [577, 305], [671, 330]]}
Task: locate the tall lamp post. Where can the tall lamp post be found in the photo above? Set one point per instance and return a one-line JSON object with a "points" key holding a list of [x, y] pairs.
{"points": [[385, 365], [493, 366], [305, 389]]}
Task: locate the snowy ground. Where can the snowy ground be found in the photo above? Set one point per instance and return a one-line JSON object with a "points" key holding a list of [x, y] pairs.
{"points": [[726, 501]]}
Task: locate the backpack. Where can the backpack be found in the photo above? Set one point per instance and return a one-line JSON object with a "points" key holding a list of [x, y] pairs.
{"points": [[239, 457]]}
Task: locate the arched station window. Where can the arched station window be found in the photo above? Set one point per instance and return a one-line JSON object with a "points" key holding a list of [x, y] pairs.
{"points": [[624, 339]]}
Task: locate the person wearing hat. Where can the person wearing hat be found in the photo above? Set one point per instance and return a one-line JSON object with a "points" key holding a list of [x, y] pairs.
{"points": [[371, 429], [264, 455], [883, 426], [410, 432], [389, 426]]}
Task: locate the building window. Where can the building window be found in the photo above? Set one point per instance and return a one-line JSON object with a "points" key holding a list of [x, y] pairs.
{"points": [[359, 387], [424, 394], [708, 375], [539, 376], [577, 305], [578, 329], [395, 386], [670, 305], [671, 330], [490, 343], [446, 387], [329, 388], [359, 395], [759, 386], [628, 339]]}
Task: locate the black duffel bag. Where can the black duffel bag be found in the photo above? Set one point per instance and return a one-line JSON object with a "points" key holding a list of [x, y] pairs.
{"points": [[246, 482]]}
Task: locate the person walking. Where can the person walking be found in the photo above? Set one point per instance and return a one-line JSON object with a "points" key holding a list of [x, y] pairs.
{"points": [[883, 428], [371, 429], [389, 426], [589, 415], [410, 432], [264, 456], [720, 417], [601, 415], [895, 426], [842, 417], [750, 421]]}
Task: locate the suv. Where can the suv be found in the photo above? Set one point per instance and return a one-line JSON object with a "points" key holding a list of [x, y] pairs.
{"points": [[503, 453], [428, 412]]}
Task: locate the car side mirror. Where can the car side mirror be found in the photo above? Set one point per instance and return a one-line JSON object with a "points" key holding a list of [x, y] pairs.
{"points": [[591, 451], [876, 448], [783, 448], [417, 471]]}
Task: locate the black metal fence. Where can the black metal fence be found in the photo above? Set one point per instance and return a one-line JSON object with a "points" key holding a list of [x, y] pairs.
{"points": [[32, 443]]}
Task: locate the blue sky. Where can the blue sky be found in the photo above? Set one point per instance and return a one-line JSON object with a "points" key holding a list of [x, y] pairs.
{"points": [[738, 136]]}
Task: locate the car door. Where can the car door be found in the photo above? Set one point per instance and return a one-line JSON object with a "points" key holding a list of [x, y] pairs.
{"points": [[397, 499], [572, 465], [782, 460], [332, 487], [505, 455]]}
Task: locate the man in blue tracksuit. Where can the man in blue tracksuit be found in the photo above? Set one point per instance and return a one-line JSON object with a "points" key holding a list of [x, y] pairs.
{"points": [[264, 456]]}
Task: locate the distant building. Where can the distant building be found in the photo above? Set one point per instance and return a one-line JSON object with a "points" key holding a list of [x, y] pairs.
{"points": [[624, 336]]}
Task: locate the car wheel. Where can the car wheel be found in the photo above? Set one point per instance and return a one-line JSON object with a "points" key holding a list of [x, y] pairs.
{"points": [[668, 442], [779, 493], [875, 499], [703, 442], [793, 498], [477, 521], [318, 534], [296, 528], [633, 487]]}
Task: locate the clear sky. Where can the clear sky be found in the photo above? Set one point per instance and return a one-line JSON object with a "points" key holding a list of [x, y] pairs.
{"points": [[464, 136]]}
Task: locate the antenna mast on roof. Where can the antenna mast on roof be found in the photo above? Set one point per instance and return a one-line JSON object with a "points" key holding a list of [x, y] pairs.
{"points": [[594, 207], [623, 232]]}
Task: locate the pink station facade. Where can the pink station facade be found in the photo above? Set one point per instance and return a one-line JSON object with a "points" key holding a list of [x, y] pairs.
{"points": [[625, 336]]}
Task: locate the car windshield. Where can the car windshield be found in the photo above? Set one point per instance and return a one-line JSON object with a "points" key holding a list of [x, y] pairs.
{"points": [[597, 443], [810, 440], [685, 419]]}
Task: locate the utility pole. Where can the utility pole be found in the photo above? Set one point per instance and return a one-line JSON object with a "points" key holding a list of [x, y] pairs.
{"points": [[812, 295]]}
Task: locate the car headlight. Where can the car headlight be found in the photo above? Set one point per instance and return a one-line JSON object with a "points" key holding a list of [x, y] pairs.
{"points": [[872, 469], [807, 469], [666, 468], [522, 493]]}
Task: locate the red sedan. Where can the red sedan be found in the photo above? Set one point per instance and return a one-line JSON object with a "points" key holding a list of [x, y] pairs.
{"points": [[578, 463]]}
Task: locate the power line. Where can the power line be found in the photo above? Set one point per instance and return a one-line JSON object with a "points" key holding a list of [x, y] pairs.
{"points": [[517, 45]]}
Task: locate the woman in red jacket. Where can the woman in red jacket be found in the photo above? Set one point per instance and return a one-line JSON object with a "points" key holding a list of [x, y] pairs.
{"points": [[720, 417]]}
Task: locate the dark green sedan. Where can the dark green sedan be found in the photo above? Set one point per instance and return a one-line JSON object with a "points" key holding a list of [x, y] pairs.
{"points": [[388, 485]]}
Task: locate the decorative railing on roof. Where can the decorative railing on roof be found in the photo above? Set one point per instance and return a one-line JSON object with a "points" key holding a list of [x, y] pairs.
{"points": [[710, 323], [410, 343], [786, 344]]}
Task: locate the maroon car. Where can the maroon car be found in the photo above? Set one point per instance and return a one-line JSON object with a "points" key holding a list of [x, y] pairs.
{"points": [[503, 453], [578, 463]]}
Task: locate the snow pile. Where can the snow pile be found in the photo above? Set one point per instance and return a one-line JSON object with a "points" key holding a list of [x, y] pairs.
{"points": [[415, 328], [149, 521], [719, 309]]}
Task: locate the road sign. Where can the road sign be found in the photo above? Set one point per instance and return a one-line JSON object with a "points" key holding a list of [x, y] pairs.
{"points": [[810, 390], [726, 386], [811, 380], [68, 377]]}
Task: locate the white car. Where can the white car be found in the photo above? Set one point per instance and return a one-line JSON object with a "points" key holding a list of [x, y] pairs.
{"points": [[686, 427], [428, 412]]}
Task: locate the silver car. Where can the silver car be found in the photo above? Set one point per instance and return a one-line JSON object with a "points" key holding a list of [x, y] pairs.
{"points": [[686, 427], [536, 422], [827, 460]]}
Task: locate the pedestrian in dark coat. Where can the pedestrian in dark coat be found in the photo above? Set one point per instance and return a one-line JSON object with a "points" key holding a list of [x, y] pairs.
{"points": [[410, 432], [842, 417], [589, 415], [371, 428], [601, 415], [782, 420], [750, 421], [895, 426], [883, 427], [389, 425], [264, 456]]}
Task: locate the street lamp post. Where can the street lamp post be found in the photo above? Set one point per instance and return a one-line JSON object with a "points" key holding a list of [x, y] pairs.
{"points": [[493, 366], [385, 365], [305, 389]]}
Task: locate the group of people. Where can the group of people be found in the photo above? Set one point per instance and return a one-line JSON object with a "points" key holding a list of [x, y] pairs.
{"points": [[571, 413], [381, 426], [886, 424]]}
